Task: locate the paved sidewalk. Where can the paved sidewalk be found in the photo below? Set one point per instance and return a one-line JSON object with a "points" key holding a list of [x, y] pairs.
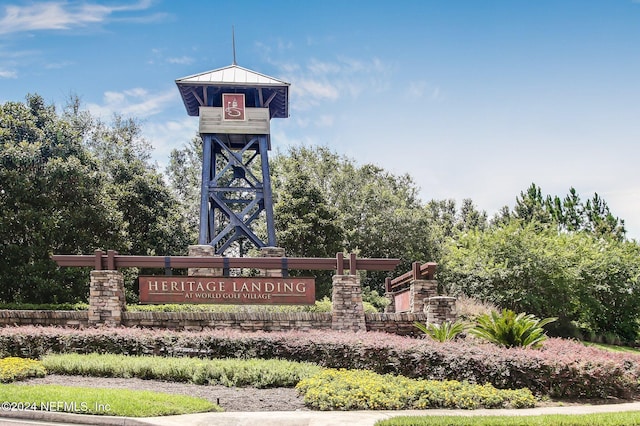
{"points": [[363, 418], [303, 418]]}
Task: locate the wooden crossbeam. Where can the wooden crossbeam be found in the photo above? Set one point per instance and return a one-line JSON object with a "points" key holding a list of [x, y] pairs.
{"points": [[113, 261]]}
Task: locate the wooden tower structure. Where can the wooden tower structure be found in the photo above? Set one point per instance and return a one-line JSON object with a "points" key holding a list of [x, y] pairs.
{"points": [[235, 106]]}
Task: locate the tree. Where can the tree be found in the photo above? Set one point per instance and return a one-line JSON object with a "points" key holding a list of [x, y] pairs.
{"points": [[588, 282], [184, 174], [532, 207], [380, 213], [52, 200], [567, 215], [308, 226], [470, 217], [152, 220], [601, 222]]}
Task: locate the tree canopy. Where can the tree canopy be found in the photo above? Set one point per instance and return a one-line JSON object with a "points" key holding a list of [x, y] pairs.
{"points": [[70, 183]]}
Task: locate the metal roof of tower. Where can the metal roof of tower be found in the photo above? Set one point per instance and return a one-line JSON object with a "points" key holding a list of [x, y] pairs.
{"points": [[195, 89]]}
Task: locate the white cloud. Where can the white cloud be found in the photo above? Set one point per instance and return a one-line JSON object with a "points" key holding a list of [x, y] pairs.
{"points": [[316, 89], [135, 102], [318, 81], [325, 121], [57, 15], [181, 60], [58, 65], [420, 89], [8, 74], [168, 135], [323, 68]]}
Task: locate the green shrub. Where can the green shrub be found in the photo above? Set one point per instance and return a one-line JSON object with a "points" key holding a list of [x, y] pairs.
{"points": [[562, 368], [14, 368], [45, 306], [511, 330], [442, 332], [325, 305], [258, 373], [364, 390]]}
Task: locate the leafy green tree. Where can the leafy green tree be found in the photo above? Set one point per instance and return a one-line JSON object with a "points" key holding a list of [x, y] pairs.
{"points": [[184, 174], [380, 213], [517, 266], [308, 226], [608, 277], [586, 281], [52, 200], [152, 219]]}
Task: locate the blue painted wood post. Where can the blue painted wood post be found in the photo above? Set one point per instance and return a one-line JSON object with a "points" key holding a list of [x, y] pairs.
{"points": [[266, 191], [204, 237]]}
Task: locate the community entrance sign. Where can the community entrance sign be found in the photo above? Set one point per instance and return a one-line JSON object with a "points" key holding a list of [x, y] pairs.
{"points": [[227, 290]]}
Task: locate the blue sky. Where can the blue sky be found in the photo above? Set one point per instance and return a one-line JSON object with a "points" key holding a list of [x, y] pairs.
{"points": [[473, 98]]}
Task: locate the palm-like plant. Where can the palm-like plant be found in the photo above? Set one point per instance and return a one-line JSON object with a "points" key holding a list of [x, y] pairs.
{"points": [[511, 330], [442, 332]]}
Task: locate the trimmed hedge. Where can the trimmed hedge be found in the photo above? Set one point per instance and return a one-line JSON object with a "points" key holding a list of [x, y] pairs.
{"points": [[562, 368]]}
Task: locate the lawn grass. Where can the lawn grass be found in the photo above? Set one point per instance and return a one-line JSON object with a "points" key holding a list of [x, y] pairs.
{"points": [[614, 348], [600, 419], [109, 402]]}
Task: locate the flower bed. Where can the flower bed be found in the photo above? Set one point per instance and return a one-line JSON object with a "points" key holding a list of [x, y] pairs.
{"points": [[561, 368]]}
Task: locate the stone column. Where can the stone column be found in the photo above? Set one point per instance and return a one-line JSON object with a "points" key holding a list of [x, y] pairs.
{"points": [[391, 307], [272, 252], [106, 298], [421, 290], [348, 310], [440, 309], [203, 250]]}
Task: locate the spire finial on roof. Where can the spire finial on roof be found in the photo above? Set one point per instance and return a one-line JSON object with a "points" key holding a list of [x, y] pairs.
{"points": [[233, 41]]}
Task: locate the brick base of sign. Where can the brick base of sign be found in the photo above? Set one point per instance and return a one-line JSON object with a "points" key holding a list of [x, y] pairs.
{"points": [[203, 250], [348, 310], [76, 319], [106, 298], [401, 324], [440, 309], [248, 321]]}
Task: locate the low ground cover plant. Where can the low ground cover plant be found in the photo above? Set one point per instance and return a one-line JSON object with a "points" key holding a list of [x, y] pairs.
{"points": [[14, 368], [227, 372], [561, 368], [110, 402], [364, 390]]}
